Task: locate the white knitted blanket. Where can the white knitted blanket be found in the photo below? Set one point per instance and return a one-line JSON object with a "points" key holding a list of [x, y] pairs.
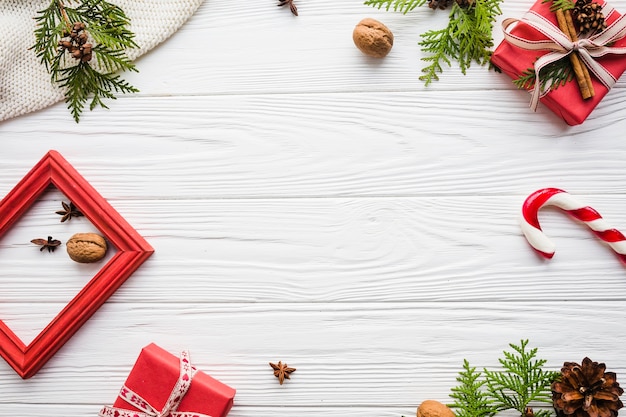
{"points": [[24, 82]]}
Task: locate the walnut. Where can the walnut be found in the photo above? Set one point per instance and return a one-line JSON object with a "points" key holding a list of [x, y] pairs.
{"points": [[432, 408], [86, 247], [373, 38]]}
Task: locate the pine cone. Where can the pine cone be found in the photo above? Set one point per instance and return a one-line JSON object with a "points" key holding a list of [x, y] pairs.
{"points": [[77, 44], [439, 4], [586, 391], [589, 16], [443, 4]]}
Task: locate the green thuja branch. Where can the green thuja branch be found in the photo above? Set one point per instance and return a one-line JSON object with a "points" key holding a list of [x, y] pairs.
{"points": [[83, 48], [520, 384], [560, 4], [471, 400], [553, 75], [467, 38], [522, 381], [403, 6]]}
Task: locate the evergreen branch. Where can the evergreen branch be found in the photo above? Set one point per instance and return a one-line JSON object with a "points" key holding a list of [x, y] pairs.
{"points": [[403, 6], [466, 39], [552, 76], [50, 27], [109, 24], [560, 4], [470, 398], [64, 37], [82, 81], [520, 384], [113, 61], [522, 381], [441, 45]]}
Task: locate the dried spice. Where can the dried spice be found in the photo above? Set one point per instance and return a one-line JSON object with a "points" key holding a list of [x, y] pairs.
{"points": [[50, 244], [291, 4], [586, 390], [282, 371], [69, 211]]}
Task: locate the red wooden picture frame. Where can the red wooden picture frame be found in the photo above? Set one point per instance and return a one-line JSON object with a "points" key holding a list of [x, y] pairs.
{"points": [[132, 251]]}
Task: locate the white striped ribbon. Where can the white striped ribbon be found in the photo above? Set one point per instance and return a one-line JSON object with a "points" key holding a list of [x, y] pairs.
{"points": [[559, 45]]}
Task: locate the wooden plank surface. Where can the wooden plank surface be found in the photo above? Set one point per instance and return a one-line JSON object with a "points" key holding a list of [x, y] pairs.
{"points": [[311, 205]]}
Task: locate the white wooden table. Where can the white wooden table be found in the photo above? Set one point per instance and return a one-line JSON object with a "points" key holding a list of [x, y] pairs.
{"points": [[311, 205]]}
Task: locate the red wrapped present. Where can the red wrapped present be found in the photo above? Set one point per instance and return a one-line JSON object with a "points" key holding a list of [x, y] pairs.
{"points": [[536, 40], [162, 385]]}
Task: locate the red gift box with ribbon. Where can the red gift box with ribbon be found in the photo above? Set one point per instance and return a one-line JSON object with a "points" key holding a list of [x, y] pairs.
{"points": [[536, 39], [162, 385]]}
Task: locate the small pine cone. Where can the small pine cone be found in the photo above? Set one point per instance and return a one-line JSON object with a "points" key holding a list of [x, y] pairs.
{"points": [[589, 17], [439, 4], [77, 45], [465, 3]]}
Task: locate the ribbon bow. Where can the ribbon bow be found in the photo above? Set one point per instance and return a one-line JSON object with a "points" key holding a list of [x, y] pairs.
{"points": [[169, 409], [560, 46]]}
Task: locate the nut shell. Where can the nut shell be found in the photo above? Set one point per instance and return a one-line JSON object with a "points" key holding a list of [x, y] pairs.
{"points": [[86, 247], [372, 38], [432, 408]]}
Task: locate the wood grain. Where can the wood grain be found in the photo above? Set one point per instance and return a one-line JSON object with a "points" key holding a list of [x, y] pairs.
{"points": [[311, 205]]}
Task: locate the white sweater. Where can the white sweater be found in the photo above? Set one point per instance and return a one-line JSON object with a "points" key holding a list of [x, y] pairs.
{"points": [[25, 84]]}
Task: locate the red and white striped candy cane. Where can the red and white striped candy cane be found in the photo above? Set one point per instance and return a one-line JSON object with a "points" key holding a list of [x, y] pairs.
{"points": [[563, 200]]}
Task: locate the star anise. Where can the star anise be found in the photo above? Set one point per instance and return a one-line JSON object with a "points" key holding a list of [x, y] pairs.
{"points": [[586, 391], [50, 244], [292, 6], [281, 371], [69, 211]]}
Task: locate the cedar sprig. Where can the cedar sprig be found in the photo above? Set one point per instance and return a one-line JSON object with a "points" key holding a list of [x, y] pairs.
{"points": [[552, 76], [560, 4], [82, 83], [470, 396], [467, 38], [94, 77], [555, 74], [519, 385], [403, 6], [522, 382]]}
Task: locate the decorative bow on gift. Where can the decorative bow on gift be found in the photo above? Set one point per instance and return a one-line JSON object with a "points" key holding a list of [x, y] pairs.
{"points": [[169, 409], [560, 46]]}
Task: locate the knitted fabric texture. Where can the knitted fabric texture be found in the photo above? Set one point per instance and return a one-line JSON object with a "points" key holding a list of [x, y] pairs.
{"points": [[25, 84]]}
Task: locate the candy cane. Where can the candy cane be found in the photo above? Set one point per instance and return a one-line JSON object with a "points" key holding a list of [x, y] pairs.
{"points": [[563, 200]]}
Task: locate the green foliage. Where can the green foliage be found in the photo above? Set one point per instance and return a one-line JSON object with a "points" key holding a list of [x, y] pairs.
{"points": [[471, 400], [107, 28], [83, 82], [560, 4], [466, 39], [403, 6], [552, 76], [520, 384]]}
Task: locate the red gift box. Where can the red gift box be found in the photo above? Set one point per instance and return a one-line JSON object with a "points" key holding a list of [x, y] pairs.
{"points": [[566, 100], [159, 381]]}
